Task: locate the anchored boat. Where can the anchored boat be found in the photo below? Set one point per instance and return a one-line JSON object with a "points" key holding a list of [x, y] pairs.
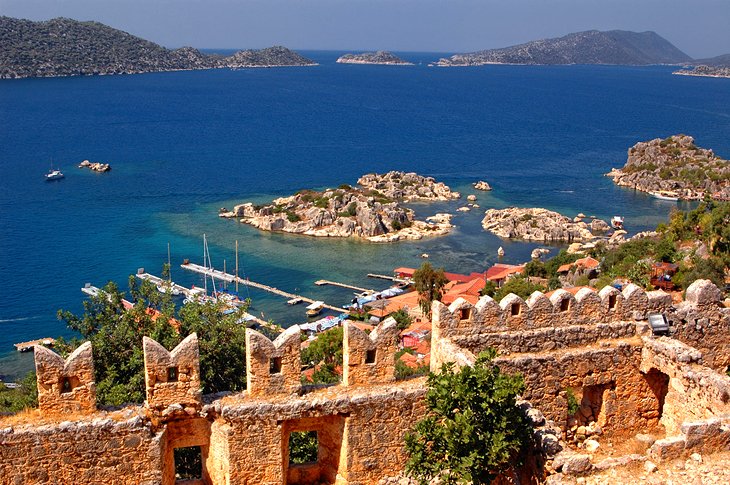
{"points": [[54, 174]]}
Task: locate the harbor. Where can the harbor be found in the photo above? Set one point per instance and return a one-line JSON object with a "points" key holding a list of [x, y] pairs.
{"points": [[229, 278], [27, 346]]}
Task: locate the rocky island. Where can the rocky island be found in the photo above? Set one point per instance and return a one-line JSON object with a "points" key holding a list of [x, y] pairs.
{"points": [[380, 57], [705, 71], [95, 166], [618, 47], [674, 168], [67, 47], [370, 211], [537, 224]]}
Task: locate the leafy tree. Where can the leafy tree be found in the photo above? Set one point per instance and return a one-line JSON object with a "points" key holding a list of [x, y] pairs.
{"points": [[325, 354], [116, 336], [22, 397], [520, 286], [490, 288], [473, 429], [402, 318], [428, 283], [303, 447], [535, 268]]}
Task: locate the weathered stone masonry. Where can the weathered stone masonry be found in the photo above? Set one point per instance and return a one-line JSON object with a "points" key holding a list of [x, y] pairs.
{"points": [[596, 344]]}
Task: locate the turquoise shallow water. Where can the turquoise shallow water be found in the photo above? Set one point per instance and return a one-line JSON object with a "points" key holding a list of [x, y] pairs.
{"points": [[184, 144]]}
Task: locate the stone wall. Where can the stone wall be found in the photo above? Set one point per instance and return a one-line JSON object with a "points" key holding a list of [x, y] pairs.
{"points": [[273, 367], [65, 386], [369, 358], [93, 450], [172, 377]]}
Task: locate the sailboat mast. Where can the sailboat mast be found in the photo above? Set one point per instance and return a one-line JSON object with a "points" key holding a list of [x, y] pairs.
{"points": [[169, 266], [236, 265], [205, 265], [225, 283]]}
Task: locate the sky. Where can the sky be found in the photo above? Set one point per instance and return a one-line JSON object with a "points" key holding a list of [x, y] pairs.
{"points": [[701, 28]]}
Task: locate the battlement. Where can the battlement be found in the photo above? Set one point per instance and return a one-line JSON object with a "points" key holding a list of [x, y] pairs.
{"points": [[273, 367], [65, 386], [369, 358], [172, 378]]}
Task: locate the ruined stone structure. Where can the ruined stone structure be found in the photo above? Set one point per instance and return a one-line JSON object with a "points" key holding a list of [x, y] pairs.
{"points": [[595, 346]]}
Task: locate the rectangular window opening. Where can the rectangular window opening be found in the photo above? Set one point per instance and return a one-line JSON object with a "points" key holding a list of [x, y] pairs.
{"points": [[172, 374], [464, 314], [515, 309], [65, 385], [303, 447], [370, 356], [188, 463], [275, 365], [564, 305], [611, 302]]}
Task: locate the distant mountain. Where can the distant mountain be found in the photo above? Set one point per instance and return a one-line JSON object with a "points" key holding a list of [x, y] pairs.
{"points": [[67, 47], [591, 47], [380, 57], [719, 61]]}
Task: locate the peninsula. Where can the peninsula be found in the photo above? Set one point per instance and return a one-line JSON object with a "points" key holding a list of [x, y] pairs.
{"points": [[617, 47], [380, 57], [537, 224], [371, 211], [67, 47], [675, 168]]}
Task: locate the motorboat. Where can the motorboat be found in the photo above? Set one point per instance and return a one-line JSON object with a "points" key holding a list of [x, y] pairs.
{"points": [[617, 222], [663, 195], [315, 309]]}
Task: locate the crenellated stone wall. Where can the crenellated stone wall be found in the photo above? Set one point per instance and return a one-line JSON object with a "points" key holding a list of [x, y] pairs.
{"points": [[590, 345]]}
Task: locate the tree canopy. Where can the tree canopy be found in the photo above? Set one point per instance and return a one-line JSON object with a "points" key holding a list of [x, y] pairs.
{"points": [[428, 282], [473, 429]]}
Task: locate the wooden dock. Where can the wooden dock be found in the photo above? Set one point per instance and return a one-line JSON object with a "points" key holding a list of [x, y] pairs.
{"points": [[196, 268], [386, 277], [26, 346], [159, 282], [343, 285]]}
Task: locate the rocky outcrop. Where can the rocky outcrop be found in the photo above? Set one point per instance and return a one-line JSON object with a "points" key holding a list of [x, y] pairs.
{"points": [[535, 224], [482, 185], [407, 187], [95, 166], [372, 211], [674, 167], [380, 57], [705, 71]]}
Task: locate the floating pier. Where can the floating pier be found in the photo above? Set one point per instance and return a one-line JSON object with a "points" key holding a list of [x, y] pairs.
{"points": [[196, 268], [26, 346], [159, 282], [386, 277], [342, 285]]}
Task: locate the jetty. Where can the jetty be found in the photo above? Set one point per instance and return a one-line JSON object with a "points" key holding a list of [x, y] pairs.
{"points": [[215, 273], [343, 285], [386, 277], [161, 283], [26, 346]]}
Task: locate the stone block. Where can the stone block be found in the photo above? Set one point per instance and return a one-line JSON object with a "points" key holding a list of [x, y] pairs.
{"points": [[65, 386], [172, 378], [273, 367]]}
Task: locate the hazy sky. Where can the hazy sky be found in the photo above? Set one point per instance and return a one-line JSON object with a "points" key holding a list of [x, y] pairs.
{"points": [[701, 28]]}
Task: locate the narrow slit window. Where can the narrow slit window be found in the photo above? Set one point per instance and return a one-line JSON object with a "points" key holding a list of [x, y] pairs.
{"points": [[172, 374], [275, 365], [65, 385], [515, 309], [370, 356], [611, 302], [564, 305], [464, 314]]}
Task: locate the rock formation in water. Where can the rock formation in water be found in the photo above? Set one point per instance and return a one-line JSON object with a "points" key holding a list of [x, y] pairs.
{"points": [[380, 57], [537, 224], [676, 167], [703, 70], [371, 211]]}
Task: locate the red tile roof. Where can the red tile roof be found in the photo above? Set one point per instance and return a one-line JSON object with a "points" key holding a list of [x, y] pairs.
{"points": [[501, 271]]}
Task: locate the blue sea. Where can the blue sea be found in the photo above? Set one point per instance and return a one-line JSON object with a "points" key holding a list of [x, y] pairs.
{"points": [[184, 144]]}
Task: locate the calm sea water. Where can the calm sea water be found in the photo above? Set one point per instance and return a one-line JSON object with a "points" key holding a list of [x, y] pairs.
{"points": [[184, 144]]}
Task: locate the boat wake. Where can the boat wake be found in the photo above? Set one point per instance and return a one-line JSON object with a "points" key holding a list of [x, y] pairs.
{"points": [[20, 319]]}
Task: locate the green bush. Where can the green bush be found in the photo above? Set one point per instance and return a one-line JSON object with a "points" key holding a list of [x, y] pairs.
{"points": [[292, 216]]}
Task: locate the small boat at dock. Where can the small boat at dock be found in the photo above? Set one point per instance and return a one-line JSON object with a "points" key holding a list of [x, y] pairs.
{"points": [[294, 301], [315, 309], [617, 222], [665, 195]]}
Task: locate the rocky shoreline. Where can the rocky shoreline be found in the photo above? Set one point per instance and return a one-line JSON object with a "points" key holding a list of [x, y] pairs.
{"points": [[538, 224], [674, 168], [371, 211], [381, 57]]}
